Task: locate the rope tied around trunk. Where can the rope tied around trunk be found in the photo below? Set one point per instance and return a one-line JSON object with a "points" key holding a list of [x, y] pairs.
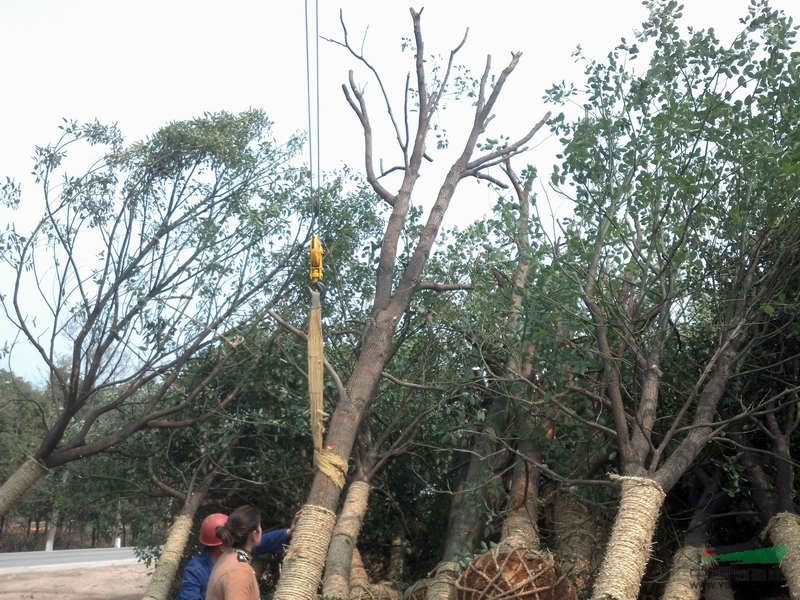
{"points": [[332, 465], [630, 545], [308, 550], [783, 529]]}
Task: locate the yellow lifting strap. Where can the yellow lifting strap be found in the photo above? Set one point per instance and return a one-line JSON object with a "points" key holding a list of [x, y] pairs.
{"points": [[316, 259], [327, 461]]}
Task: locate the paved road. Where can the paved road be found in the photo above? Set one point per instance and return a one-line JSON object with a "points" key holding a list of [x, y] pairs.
{"points": [[64, 559]]}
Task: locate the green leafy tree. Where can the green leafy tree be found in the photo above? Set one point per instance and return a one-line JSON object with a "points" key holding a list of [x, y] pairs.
{"points": [[397, 282], [158, 250], [684, 181]]}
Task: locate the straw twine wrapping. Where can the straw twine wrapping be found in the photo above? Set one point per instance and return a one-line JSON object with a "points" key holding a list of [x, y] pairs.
{"points": [[330, 463], [442, 583], [784, 530], [686, 576], [629, 548], [306, 554]]}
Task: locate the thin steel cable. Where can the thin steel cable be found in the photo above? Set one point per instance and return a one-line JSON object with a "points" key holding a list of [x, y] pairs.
{"points": [[316, 68], [308, 100]]}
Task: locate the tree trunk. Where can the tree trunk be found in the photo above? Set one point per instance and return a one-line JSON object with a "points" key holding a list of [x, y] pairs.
{"points": [[54, 517], [577, 539], [164, 574], [359, 577], [20, 481], [686, 576], [394, 289], [52, 526], [629, 548], [336, 582], [784, 530], [520, 526], [118, 526], [305, 558], [467, 509]]}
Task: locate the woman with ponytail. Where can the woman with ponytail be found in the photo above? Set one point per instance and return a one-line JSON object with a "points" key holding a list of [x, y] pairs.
{"points": [[232, 577]]}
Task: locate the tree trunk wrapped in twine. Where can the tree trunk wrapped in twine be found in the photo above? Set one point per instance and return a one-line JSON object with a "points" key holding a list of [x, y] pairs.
{"points": [[164, 574], [687, 575], [306, 555], [439, 585], [337, 580], [629, 548], [784, 530]]}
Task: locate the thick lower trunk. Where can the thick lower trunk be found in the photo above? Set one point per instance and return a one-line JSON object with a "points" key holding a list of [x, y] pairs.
{"points": [[520, 525], [336, 581], [784, 530], [164, 574], [687, 575], [302, 566], [359, 577], [443, 583], [52, 526], [629, 548], [54, 518], [21, 480], [577, 539], [465, 525]]}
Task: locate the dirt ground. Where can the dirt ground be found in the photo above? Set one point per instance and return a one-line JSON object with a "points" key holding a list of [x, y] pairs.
{"points": [[114, 582]]}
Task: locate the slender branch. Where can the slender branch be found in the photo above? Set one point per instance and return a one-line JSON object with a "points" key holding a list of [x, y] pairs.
{"points": [[303, 336], [410, 384], [443, 287], [361, 113]]}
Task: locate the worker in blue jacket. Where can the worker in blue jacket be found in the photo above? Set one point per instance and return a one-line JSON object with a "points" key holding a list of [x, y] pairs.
{"points": [[197, 572]]}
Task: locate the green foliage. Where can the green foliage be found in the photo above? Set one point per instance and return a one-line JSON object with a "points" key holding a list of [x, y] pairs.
{"points": [[682, 172]]}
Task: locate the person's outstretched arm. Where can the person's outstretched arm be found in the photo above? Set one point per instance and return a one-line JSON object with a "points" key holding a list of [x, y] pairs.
{"points": [[273, 541]]}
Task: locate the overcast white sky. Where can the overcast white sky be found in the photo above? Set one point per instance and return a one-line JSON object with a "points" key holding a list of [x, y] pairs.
{"points": [[147, 62]]}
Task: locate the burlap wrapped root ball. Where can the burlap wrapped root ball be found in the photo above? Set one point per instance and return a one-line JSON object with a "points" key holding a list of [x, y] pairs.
{"points": [[507, 572]]}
